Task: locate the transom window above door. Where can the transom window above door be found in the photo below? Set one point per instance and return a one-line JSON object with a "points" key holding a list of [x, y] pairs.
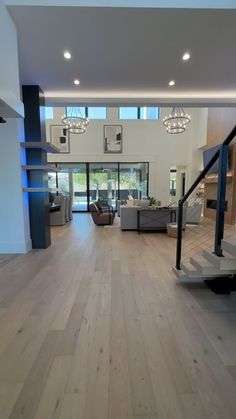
{"points": [[93, 112], [143, 113]]}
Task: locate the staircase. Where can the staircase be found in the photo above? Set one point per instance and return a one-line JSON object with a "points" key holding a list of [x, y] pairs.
{"points": [[222, 262], [209, 265]]}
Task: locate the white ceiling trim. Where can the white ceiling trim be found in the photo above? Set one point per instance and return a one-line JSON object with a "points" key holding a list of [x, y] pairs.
{"points": [[176, 4], [123, 99]]}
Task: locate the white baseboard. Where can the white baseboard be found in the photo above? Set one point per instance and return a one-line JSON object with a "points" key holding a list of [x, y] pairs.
{"points": [[22, 247]]}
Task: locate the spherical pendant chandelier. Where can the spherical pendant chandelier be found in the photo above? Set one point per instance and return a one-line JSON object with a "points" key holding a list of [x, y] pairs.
{"points": [[74, 120], [176, 122]]}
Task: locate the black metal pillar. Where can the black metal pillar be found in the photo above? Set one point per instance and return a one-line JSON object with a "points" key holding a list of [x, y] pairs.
{"points": [[34, 124], [179, 235], [221, 194]]}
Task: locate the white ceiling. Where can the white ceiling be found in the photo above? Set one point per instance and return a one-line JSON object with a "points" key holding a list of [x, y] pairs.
{"points": [[189, 4], [128, 53]]}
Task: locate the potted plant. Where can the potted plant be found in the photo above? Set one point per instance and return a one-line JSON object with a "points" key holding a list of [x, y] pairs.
{"points": [[152, 201]]}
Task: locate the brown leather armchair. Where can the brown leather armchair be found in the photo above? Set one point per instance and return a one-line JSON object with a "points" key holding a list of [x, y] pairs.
{"points": [[103, 216]]}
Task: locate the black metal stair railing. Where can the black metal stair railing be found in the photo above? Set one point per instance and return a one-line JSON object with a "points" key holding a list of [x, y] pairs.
{"points": [[222, 155]]}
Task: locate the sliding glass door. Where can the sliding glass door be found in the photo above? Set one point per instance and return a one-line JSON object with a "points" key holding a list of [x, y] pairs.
{"points": [[133, 180], [103, 182], [79, 187], [72, 179], [88, 182]]}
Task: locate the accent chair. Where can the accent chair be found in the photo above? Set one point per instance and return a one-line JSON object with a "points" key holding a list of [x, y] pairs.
{"points": [[103, 216]]}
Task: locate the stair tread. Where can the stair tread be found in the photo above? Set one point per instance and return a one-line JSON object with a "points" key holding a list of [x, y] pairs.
{"points": [[220, 261], [213, 255]]}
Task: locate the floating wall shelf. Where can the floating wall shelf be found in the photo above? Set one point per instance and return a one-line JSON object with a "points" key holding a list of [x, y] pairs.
{"points": [[44, 145], [214, 178], [40, 167], [36, 190]]}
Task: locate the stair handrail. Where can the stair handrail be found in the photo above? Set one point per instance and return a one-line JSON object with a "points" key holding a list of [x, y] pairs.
{"points": [[222, 155]]}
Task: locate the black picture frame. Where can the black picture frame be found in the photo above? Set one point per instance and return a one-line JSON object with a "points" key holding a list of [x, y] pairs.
{"points": [[112, 139], [60, 137]]}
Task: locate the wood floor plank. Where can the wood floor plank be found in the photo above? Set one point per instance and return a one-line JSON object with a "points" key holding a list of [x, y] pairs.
{"points": [[73, 406], [8, 396], [120, 400], [165, 393], [50, 401], [29, 397], [141, 386], [63, 314], [117, 306], [12, 321], [98, 374], [78, 380]]}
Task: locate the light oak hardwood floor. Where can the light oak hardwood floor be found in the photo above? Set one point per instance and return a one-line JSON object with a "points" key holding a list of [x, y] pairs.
{"points": [[95, 327]]}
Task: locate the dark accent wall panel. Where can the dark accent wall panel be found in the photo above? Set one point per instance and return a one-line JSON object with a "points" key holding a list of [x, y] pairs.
{"points": [[34, 124]]}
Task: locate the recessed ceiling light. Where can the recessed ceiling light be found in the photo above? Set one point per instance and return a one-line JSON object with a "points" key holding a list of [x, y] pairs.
{"points": [[67, 55], [171, 83], [77, 82], [186, 56]]}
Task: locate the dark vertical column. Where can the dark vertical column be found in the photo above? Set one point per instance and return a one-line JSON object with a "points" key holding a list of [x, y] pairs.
{"points": [[118, 180], [35, 130], [88, 185], [221, 193]]}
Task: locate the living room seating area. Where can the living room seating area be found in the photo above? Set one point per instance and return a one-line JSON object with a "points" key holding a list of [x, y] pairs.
{"points": [[60, 210]]}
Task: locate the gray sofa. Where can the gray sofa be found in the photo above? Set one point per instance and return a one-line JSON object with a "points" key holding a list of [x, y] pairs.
{"points": [[128, 217], [136, 202]]}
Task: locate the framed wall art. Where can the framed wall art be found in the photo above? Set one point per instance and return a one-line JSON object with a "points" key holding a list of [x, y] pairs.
{"points": [[113, 139], [60, 137]]}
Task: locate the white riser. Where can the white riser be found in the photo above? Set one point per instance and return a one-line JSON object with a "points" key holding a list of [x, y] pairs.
{"points": [[229, 246], [222, 263], [182, 278]]}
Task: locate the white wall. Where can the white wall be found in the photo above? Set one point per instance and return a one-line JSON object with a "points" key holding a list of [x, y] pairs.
{"points": [[199, 126], [14, 218], [14, 226], [142, 141], [9, 73]]}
